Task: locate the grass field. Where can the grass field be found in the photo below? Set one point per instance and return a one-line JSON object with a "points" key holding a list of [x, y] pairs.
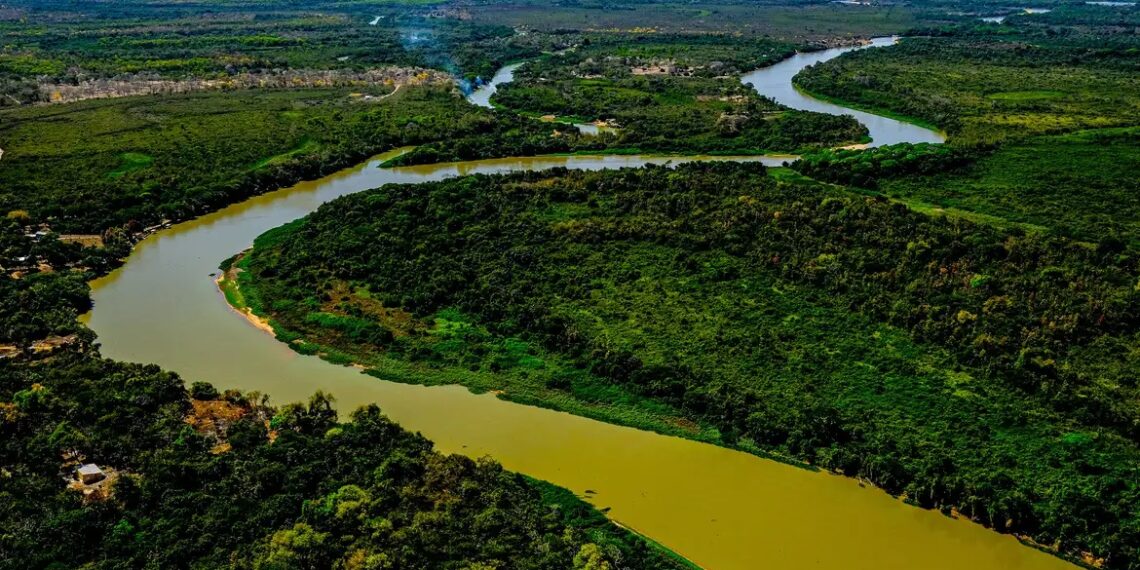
{"points": [[988, 90], [1082, 184]]}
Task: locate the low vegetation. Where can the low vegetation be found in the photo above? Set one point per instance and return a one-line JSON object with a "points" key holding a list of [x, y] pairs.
{"points": [[1042, 124], [49, 46], [1079, 185], [1002, 87], [132, 162]]}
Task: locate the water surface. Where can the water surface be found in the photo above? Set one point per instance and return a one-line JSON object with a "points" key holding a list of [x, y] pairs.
{"points": [[482, 95]]}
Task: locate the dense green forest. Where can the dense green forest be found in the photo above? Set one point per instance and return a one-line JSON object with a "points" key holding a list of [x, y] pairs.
{"points": [[958, 364], [43, 288], [200, 479], [957, 324], [868, 168]]}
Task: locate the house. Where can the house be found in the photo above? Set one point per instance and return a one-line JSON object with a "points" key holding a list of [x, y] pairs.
{"points": [[89, 474]]}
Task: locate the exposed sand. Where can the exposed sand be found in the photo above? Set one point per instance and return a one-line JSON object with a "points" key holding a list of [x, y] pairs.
{"points": [[255, 320]]}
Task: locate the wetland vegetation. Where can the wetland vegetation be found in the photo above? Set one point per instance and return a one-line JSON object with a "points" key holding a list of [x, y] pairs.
{"points": [[1003, 88], [1049, 118], [94, 165]]}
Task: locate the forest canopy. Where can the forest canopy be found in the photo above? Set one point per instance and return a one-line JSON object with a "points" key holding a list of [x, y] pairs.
{"points": [[959, 364], [957, 324], [224, 480]]}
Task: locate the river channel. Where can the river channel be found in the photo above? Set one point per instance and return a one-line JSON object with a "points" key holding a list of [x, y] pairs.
{"points": [[720, 508]]}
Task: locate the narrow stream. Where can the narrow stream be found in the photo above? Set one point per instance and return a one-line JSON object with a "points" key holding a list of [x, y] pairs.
{"points": [[721, 508]]}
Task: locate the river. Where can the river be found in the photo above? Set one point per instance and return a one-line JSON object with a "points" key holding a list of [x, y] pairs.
{"points": [[721, 508], [776, 82]]}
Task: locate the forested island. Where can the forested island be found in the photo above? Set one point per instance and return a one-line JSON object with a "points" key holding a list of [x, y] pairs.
{"points": [[956, 324]]}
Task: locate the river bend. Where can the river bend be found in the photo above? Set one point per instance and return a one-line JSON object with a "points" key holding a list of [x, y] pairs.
{"points": [[721, 508]]}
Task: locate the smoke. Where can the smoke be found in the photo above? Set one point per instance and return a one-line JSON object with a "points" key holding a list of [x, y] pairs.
{"points": [[428, 44], [432, 41]]}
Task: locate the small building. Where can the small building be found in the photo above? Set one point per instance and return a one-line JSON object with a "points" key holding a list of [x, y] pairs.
{"points": [[89, 474]]}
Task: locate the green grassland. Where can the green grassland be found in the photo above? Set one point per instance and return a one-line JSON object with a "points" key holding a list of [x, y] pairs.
{"points": [[1082, 184], [131, 162], [985, 91], [958, 364]]}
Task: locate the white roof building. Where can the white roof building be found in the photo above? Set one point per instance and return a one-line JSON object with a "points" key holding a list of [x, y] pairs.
{"points": [[90, 473]]}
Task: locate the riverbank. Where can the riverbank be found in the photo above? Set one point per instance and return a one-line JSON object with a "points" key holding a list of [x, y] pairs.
{"points": [[238, 297], [624, 409], [228, 284], [870, 109], [758, 155]]}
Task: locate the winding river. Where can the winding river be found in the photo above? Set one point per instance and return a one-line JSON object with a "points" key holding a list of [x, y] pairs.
{"points": [[776, 82], [721, 508]]}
